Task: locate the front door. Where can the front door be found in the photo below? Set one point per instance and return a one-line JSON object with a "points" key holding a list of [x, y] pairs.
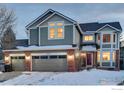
{"points": [[89, 59]]}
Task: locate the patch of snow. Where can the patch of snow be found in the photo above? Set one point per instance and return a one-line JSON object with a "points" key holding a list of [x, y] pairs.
{"points": [[46, 47], [93, 77], [85, 77], [28, 78], [55, 47]]}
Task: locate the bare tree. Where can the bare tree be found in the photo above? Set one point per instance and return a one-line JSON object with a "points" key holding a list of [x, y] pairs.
{"points": [[7, 22], [9, 39]]}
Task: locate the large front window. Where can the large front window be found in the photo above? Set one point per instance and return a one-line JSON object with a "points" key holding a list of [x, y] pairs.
{"points": [[106, 56], [56, 30], [52, 33], [88, 38], [106, 38]]}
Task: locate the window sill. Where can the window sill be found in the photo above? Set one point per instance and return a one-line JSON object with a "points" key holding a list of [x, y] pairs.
{"points": [[55, 38]]}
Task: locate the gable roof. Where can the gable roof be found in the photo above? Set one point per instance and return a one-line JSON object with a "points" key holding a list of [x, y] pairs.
{"points": [[96, 26], [49, 13], [40, 18], [113, 24]]}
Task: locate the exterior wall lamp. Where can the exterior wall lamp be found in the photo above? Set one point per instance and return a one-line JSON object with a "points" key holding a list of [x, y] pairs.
{"points": [[7, 59], [28, 58]]}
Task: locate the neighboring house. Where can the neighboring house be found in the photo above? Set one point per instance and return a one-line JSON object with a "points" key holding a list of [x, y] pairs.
{"points": [[122, 55], [59, 43], [22, 42]]}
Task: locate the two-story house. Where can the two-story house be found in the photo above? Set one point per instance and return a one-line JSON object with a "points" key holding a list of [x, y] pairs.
{"points": [[59, 43]]}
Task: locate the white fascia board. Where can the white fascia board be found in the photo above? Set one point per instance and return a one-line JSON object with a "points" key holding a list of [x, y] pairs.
{"points": [[59, 15], [39, 18], [45, 20]]}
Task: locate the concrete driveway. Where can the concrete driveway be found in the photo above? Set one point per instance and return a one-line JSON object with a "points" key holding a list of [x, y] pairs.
{"points": [[8, 75]]}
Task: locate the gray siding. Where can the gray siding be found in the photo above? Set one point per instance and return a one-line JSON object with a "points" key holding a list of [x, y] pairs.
{"points": [[54, 19], [34, 34], [40, 20], [77, 37], [68, 37]]}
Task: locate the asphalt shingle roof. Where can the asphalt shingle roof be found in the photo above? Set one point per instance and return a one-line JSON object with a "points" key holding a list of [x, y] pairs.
{"points": [[95, 26]]}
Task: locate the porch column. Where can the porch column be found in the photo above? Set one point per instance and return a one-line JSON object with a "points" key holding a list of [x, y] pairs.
{"points": [[111, 51], [28, 62], [71, 60], [101, 41]]}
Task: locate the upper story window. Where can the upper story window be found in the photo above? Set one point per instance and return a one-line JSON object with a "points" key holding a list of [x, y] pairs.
{"points": [[106, 38], [88, 38], [56, 30], [98, 38]]}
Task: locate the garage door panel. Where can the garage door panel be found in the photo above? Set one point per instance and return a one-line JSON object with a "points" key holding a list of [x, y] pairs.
{"points": [[18, 64], [49, 64]]}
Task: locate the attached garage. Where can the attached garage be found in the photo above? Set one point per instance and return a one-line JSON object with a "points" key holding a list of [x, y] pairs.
{"points": [[49, 63], [50, 59], [18, 63]]}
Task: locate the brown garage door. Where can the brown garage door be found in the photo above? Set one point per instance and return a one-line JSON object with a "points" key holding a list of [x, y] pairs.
{"points": [[18, 63], [49, 63]]}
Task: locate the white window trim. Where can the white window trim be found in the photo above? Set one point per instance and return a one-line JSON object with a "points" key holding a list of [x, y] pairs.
{"points": [[63, 30]]}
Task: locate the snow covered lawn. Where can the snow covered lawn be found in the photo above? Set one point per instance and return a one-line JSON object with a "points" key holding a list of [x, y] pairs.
{"points": [[85, 77]]}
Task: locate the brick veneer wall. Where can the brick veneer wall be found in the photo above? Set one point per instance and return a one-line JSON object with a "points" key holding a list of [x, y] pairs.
{"points": [[71, 60]]}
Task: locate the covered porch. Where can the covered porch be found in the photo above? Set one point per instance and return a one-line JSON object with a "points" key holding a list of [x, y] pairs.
{"points": [[88, 56]]}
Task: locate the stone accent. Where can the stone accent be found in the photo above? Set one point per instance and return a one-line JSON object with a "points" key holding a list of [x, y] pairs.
{"points": [[71, 60], [94, 59], [28, 63]]}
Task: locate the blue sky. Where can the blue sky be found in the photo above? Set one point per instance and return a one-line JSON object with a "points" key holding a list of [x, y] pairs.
{"points": [[82, 13]]}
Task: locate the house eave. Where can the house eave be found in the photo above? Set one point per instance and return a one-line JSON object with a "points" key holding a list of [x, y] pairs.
{"points": [[118, 30]]}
